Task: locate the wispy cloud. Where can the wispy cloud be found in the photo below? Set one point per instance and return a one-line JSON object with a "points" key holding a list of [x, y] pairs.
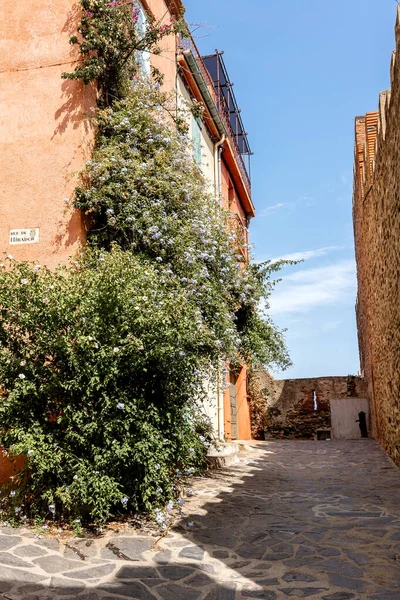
{"points": [[273, 208], [309, 288], [307, 254], [269, 210]]}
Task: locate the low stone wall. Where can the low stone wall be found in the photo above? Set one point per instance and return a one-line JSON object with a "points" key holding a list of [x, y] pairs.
{"points": [[298, 408]]}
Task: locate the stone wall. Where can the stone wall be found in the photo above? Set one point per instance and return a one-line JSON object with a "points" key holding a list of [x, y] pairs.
{"points": [[299, 408], [376, 212]]}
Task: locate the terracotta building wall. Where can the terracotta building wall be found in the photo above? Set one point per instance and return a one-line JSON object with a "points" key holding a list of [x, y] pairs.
{"points": [[45, 128], [231, 201], [376, 212], [45, 135]]}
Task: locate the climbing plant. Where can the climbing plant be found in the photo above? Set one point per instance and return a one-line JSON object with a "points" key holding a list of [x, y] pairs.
{"points": [[111, 41]]}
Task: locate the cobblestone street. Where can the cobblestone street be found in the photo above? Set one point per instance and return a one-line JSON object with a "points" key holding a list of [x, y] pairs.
{"points": [[292, 519]]}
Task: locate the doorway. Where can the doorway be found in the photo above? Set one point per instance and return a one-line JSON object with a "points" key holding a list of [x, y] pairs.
{"points": [[233, 403], [345, 417]]}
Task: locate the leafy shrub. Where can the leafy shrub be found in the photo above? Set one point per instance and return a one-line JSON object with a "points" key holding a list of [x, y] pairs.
{"points": [[101, 367]]}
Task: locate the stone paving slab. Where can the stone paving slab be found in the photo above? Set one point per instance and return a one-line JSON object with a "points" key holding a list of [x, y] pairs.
{"points": [[290, 519]]}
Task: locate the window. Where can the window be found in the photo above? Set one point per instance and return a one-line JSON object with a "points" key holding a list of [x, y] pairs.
{"points": [[196, 139], [143, 57]]}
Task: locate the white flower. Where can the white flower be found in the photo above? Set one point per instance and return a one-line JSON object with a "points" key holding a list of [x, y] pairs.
{"points": [[24, 281], [202, 438], [170, 505], [190, 492], [159, 491], [21, 376], [22, 363], [125, 500], [45, 526], [120, 405], [29, 452], [66, 200], [181, 502], [157, 467], [24, 517], [116, 349], [190, 524], [10, 257], [52, 509], [17, 509], [75, 476], [77, 521], [36, 267]]}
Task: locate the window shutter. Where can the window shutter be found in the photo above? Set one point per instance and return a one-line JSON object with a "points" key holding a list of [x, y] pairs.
{"points": [[196, 139]]}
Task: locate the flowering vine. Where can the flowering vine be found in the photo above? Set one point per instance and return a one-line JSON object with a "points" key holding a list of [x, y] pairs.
{"points": [[103, 363], [110, 43]]}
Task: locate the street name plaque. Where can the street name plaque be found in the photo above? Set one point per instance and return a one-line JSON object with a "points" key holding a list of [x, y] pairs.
{"points": [[24, 236]]}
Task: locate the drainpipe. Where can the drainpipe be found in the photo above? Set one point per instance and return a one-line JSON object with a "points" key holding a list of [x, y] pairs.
{"points": [[217, 165], [220, 404]]}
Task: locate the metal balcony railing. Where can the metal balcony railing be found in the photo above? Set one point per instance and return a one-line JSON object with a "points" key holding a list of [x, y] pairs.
{"points": [[187, 43]]}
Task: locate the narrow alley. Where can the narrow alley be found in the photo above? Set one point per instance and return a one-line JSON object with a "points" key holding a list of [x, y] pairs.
{"points": [[292, 519]]}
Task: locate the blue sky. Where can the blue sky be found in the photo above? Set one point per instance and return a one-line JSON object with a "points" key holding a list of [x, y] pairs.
{"points": [[303, 69]]}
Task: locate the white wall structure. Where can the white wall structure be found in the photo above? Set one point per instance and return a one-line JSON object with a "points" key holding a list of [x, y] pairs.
{"points": [[204, 153], [344, 417]]}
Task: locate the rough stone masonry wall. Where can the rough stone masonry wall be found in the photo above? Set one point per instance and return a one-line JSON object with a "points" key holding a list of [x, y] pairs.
{"points": [[294, 411], [376, 211]]}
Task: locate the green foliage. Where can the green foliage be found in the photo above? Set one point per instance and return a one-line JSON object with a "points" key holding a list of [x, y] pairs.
{"points": [[100, 364], [110, 42], [144, 191]]}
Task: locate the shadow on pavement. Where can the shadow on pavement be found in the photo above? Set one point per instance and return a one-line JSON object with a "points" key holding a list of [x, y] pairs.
{"points": [[300, 519]]}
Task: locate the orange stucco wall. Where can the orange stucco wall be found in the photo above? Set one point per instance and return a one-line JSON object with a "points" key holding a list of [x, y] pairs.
{"points": [[230, 197], [45, 129], [231, 201], [45, 133]]}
